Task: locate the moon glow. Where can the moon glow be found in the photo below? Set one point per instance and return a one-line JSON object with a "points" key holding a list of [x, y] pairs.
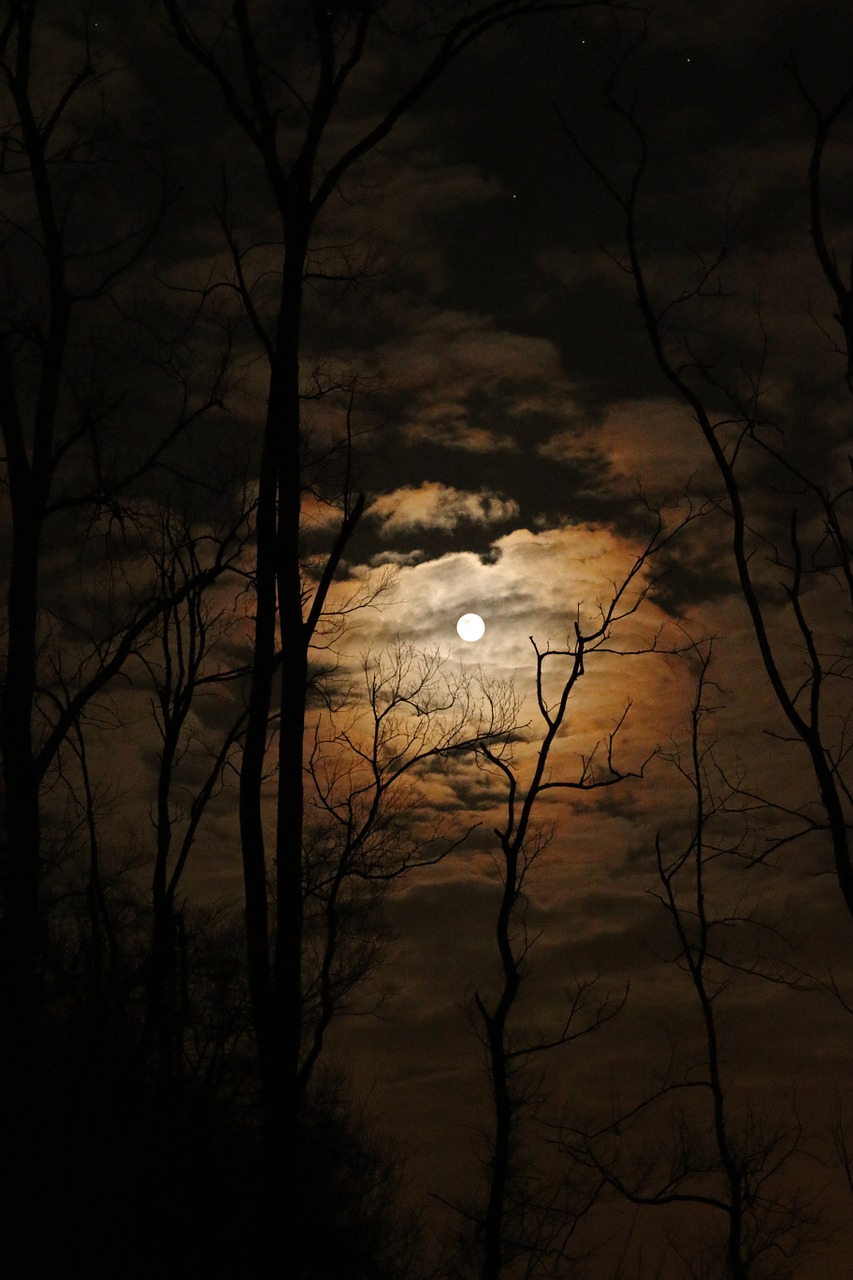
{"points": [[471, 627]]}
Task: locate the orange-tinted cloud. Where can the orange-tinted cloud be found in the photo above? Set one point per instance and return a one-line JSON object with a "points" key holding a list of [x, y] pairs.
{"points": [[437, 506]]}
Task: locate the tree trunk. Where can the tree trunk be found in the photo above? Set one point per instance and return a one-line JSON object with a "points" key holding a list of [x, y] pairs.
{"points": [[22, 854]]}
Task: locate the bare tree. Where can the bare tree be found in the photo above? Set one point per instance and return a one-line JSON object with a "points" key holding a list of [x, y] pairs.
{"points": [[285, 81], [812, 568], [526, 1226], [721, 1156], [367, 825], [190, 658], [65, 390]]}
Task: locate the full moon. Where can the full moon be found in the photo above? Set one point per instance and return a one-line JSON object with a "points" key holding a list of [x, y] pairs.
{"points": [[471, 626]]}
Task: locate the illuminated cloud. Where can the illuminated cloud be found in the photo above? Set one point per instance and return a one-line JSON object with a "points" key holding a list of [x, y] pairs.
{"points": [[532, 583], [437, 506], [397, 558]]}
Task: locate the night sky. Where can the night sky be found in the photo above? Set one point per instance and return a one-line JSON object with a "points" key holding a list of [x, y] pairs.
{"points": [[515, 438]]}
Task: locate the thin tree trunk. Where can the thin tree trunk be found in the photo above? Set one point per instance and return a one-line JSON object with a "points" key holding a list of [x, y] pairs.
{"points": [[287, 960], [504, 1111]]}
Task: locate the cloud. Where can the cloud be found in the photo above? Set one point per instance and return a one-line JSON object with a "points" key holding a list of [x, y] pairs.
{"points": [[534, 584], [397, 558], [651, 443], [455, 342], [437, 506], [445, 423], [464, 383], [395, 202]]}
